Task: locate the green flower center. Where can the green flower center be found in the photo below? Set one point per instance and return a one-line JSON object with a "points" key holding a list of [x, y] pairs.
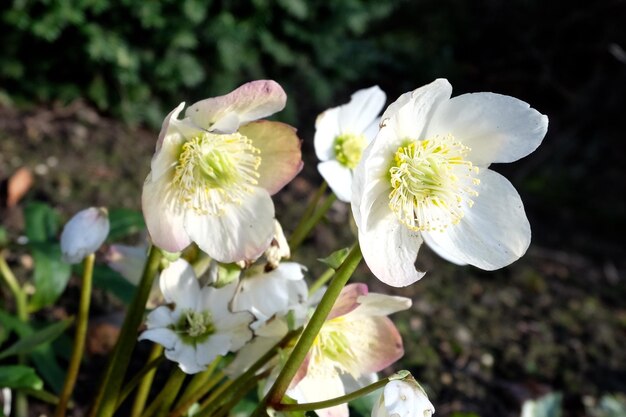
{"points": [[194, 326], [349, 148], [214, 170], [332, 347], [431, 183]]}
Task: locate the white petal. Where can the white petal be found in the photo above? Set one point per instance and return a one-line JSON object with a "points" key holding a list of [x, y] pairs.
{"points": [[364, 106], [338, 177], [326, 130], [494, 232], [375, 304], [243, 232], [179, 285], [127, 260], [249, 354], [237, 327], [84, 233], [371, 131], [406, 399], [216, 345], [164, 337], [185, 355], [164, 216], [216, 300], [412, 111], [496, 128], [159, 317], [441, 251], [390, 248], [320, 388]]}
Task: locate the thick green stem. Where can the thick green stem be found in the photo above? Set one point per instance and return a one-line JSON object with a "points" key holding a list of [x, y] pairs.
{"points": [[166, 397], [197, 388], [144, 378], [333, 401], [106, 400], [341, 277], [310, 208], [237, 395], [79, 337], [308, 223], [21, 307]]}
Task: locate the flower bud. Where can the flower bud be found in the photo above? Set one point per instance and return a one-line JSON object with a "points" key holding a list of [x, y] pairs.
{"points": [[84, 234], [403, 398]]}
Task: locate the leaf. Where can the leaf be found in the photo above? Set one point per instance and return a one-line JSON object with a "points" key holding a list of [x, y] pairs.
{"points": [[336, 258], [124, 222], [50, 276], [42, 222], [107, 279], [30, 342], [19, 377]]}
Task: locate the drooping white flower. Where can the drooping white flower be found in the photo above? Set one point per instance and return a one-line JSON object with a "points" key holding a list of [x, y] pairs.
{"points": [[426, 178], [403, 398], [270, 296], [341, 135], [213, 173], [278, 249], [357, 340], [197, 325], [84, 233]]}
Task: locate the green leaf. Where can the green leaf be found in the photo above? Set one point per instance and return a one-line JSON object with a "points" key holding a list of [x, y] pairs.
{"points": [[19, 377], [4, 237], [226, 273], [50, 276], [42, 222], [124, 222], [110, 280], [30, 342], [336, 258]]}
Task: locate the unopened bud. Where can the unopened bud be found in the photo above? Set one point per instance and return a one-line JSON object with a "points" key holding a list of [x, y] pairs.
{"points": [[84, 234], [403, 398]]}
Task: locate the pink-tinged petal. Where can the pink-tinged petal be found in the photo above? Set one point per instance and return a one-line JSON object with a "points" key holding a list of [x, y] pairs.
{"points": [[281, 159], [164, 216], [364, 106], [389, 248], [375, 343], [179, 285], [338, 177], [251, 101], [495, 127], [347, 300], [413, 110], [326, 131], [241, 233], [375, 304], [494, 232], [302, 371], [320, 388], [163, 336]]}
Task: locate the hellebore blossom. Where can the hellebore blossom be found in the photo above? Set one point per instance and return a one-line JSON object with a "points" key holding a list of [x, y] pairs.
{"points": [[403, 398], [197, 325], [357, 340], [425, 178], [341, 135], [213, 173], [84, 233]]}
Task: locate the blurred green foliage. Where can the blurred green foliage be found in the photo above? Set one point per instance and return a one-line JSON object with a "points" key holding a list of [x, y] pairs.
{"points": [[139, 59]]}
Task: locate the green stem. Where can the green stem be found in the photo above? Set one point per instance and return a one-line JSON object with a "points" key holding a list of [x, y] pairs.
{"points": [[323, 279], [197, 388], [79, 337], [21, 307], [308, 223], [313, 203], [341, 277], [144, 379], [238, 394], [106, 400], [333, 401], [166, 397], [213, 402]]}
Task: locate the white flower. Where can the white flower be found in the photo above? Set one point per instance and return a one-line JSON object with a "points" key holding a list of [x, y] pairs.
{"points": [[213, 173], [84, 234], [357, 340], [403, 398], [199, 326], [270, 297], [278, 249], [341, 135], [426, 178]]}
